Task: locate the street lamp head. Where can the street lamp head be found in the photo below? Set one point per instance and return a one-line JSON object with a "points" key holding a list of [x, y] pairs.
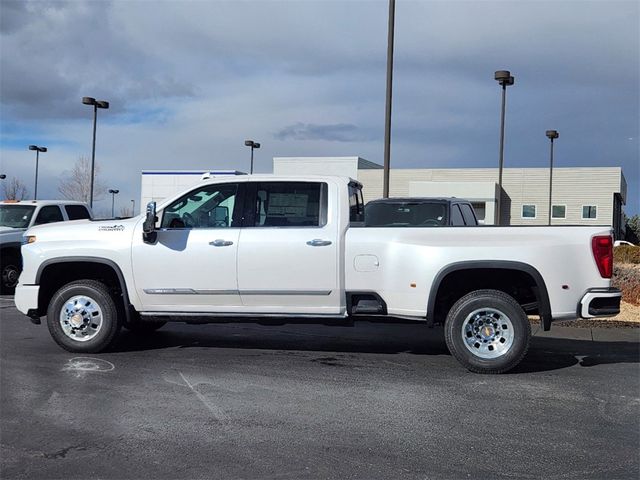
{"points": [[248, 143], [504, 77], [37, 148], [2, 176], [114, 191], [256, 145], [551, 134], [94, 102], [42, 149], [33, 147]]}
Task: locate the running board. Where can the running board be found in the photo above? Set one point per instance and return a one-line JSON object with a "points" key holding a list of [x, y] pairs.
{"points": [[260, 318]]}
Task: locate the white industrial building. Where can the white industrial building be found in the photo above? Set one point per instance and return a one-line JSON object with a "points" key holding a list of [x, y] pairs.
{"points": [[581, 195]]}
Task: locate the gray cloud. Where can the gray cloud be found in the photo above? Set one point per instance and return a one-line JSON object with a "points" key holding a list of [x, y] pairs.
{"points": [[338, 132], [14, 15]]}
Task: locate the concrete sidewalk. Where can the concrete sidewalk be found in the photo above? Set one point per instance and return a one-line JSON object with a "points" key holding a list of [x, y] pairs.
{"points": [[593, 334]]}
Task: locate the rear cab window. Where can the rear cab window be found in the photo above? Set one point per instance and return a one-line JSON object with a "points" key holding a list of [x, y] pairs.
{"points": [[356, 204], [468, 215], [457, 220]]}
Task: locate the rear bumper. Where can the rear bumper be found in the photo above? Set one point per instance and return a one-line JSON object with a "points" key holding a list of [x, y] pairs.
{"points": [[26, 298], [600, 302]]}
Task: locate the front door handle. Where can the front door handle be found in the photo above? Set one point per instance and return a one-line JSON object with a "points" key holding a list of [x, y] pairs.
{"points": [[316, 242], [221, 243]]}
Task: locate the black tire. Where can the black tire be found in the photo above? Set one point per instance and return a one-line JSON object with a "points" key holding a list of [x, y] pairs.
{"points": [[11, 268], [102, 299], [466, 348]]}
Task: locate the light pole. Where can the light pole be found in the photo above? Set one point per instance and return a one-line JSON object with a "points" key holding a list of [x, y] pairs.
{"points": [[252, 144], [551, 135], [113, 197], [38, 150], [133, 208], [505, 79], [387, 108], [96, 105]]}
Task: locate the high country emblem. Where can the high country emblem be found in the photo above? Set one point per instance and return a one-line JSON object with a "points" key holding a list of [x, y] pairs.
{"points": [[111, 228]]}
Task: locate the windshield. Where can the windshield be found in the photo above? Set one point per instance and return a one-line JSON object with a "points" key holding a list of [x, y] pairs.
{"points": [[16, 216], [405, 215]]}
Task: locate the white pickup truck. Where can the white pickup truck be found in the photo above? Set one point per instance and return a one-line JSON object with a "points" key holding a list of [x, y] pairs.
{"points": [[282, 249], [16, 216]]}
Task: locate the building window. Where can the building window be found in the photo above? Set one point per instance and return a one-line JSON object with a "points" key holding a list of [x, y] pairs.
{"points": [[528, 211], [589, 211], [559, 211]]}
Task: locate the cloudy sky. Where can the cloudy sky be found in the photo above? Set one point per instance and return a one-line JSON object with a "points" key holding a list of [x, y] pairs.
{"points": [[189, 81]]}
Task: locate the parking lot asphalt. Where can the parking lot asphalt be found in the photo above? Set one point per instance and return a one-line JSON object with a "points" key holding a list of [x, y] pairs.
{"points": [[306, 401]]}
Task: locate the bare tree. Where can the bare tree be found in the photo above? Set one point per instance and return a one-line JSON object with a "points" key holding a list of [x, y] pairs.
{"points": [[14, 189], [76, 184]]}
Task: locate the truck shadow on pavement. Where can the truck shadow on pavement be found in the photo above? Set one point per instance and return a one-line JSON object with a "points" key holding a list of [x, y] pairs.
{"points": [[556, 353], [545, 354]]}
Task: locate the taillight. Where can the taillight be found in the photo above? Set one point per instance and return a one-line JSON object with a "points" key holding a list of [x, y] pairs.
{"points": [[602, 247]]}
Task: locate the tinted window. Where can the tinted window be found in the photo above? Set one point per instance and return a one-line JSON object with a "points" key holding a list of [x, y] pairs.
{"points": [[467, 214], [290, 204], [589, 211], [210, 206], [77, 212], [405, 214], [456, 216], [528, 211], [48, 214], [559, 211], [356, 204]]}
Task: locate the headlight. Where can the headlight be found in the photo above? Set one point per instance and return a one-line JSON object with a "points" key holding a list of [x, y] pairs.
{"points": [[28, 239]]}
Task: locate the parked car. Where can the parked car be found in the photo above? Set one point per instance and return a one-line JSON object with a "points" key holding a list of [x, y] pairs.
{"points": [[264, 248], [419, 212], [16, 216]]}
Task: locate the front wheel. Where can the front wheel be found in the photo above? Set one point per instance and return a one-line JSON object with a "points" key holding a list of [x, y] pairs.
{"points": [[487, 331], [10, 273], [82, 317]]}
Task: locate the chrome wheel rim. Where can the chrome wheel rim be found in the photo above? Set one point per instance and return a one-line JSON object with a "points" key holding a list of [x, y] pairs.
{"points": [[487, 333], [81, 318]]}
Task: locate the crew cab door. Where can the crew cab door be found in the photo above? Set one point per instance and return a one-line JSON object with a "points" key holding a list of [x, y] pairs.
{"points": [[289, 246], [191, 267]]}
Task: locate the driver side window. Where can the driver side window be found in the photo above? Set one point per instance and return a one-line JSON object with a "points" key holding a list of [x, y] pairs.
{"points": [[210, 206]]}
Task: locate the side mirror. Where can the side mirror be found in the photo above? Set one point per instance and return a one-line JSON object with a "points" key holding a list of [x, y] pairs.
{"points": [[149, 225]]}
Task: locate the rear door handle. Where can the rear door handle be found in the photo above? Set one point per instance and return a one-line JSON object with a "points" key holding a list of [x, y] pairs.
{"points": [[221, 243], [316, 242]]}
